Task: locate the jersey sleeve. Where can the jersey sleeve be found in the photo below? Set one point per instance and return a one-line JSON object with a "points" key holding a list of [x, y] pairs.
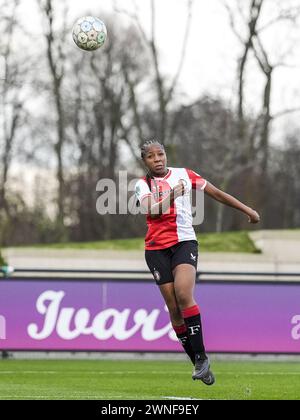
{"points": [[198, 183], [142, 191]]}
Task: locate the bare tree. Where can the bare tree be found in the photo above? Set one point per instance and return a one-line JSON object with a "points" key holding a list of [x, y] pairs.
{"points": [[253, 20], [164, 89], [99, 114], [253, 42], [56, 62], [251, 23], [207, 137], [11, 104]]}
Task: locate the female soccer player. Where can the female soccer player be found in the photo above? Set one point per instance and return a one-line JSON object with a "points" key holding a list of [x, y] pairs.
{"points": [[172, 247]]}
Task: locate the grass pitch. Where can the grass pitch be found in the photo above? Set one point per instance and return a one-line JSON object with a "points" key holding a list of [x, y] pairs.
{"points": [[145, 380]]}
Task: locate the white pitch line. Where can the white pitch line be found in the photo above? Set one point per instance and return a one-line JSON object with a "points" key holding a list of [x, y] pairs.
{"points": [[124, 372], [260, 373], [46, 397], [182, 398], [62, 372], [28, 372]]}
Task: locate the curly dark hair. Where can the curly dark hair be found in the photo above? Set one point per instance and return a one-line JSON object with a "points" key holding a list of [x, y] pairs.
{"points": [[147, 144]]}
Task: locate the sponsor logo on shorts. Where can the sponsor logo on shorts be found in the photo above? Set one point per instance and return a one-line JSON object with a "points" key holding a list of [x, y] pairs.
{"points": [[193, 257], [157, 275]]}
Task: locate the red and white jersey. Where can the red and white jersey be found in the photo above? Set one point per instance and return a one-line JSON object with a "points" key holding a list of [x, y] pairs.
{"points": [[177, 224]]}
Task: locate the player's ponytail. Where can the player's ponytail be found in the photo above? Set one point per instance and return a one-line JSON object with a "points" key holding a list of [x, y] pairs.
{"points": [[148, 180]]}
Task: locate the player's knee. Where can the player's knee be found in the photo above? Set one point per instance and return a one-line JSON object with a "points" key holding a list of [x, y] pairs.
{"points": [[184, 301]]}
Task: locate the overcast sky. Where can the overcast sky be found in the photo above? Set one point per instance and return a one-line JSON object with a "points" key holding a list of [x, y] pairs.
{"points": [[212, 51]]}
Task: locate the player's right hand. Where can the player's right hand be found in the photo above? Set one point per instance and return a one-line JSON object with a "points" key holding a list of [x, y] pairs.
{"points": [[178, 190], [254, 217]]}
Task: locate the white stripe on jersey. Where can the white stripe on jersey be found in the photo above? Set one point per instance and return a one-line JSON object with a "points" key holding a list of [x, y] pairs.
{"points": [[178, 226]]}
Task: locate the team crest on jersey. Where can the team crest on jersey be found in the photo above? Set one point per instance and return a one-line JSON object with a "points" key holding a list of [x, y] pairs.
{"points": [[160, 194]]}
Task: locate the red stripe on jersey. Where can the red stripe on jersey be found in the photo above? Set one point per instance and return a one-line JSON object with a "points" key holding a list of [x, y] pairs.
{"points": [[197, 181], [162, 232], [177, 225]]}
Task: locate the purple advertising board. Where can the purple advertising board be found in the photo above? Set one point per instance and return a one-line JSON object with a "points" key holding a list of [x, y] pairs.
{"points": [[90, 315]]}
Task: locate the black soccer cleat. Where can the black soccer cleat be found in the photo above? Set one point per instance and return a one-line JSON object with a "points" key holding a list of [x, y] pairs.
{"points": [[209, 379], [203, 373]]}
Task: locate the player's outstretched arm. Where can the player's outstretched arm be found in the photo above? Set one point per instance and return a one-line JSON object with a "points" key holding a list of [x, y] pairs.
{"points": [[231, 201]]}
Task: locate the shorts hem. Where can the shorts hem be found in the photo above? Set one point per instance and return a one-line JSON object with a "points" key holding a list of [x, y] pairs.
{"points": [[165, 282], [170, 246], [185, 263]]}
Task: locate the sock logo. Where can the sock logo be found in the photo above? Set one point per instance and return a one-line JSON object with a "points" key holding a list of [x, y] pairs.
{"points": [[183, 340], [194, 330], [2, 328]]}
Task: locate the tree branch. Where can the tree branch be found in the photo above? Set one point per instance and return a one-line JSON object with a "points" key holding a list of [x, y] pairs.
{"points": [[261, 55], [290, 15], [134, 17], [232, 21], [285, 112], [183, 51]]}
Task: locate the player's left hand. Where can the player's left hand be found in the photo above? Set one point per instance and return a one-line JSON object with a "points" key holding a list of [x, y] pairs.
{"points": [[254, 217]]}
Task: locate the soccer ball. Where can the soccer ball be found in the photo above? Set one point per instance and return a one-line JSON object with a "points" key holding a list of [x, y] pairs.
{"points": [[89, 33]]}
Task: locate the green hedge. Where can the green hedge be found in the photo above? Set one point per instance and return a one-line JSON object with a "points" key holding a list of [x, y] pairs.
{"points": [[210, 242], [2, 261]]}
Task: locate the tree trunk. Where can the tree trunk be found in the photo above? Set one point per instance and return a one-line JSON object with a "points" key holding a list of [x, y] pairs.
{"points": [[266, 118], [221, 209], [60, 125]]}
